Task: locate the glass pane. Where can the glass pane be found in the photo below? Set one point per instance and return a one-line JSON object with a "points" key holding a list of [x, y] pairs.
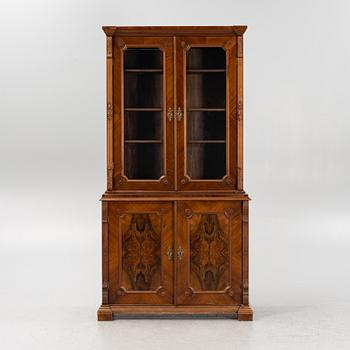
{"points": [[143, 125], [206, 160], [206, 57], [206, 112], [143, 89], [206, 90], [143, 113], [206, 126], [143, 160], [143, 58]]}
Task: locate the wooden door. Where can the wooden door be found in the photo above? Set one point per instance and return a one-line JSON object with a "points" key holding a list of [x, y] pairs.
{"points": [[208, 253], [206, 113], [143, 113], [140, 252]]}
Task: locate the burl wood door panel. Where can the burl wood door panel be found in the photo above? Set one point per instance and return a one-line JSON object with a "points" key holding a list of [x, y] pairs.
{"points": [[140, 247], [209, 256]]}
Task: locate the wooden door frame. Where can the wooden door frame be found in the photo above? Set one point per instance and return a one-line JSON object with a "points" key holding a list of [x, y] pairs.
{"points": [[229, 181], [116, 177]]}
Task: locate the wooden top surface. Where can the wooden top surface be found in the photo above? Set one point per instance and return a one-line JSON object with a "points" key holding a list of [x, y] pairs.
{"points": [[174, 30]]}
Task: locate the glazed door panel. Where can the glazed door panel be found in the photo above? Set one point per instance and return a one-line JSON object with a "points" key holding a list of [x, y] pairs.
{"points": [[208, 252], [140, 252], [206, 113], [143, 107]]}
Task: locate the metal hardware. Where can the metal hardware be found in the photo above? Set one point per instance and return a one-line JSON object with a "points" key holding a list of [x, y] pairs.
{"points": [[179, 114], [170, 114], [180, 253], [169, 253]]}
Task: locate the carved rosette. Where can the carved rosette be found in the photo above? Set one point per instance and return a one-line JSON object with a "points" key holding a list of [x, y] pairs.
{"points": [[185, 46], [229, 291], [228, 212], [164, 180], [121, 291], [121, 44], [228, 45], [189, 292], [121, 180], [160, 291], [184, 180], [228, 180], [120, 212], [188, 213]]}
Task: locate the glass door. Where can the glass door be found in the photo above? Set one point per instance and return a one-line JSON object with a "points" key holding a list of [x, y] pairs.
{"points": [[144, 142], [206, 90]]}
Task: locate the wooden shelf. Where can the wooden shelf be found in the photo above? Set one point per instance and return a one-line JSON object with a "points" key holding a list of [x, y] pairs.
{"points": [[206, 109], [206, 70], [143, 70], [206, 141], [143, 109], [143, 141]]}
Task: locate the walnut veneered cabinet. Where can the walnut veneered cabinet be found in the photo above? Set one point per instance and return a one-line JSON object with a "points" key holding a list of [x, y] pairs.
{"points": [[175, 215]]}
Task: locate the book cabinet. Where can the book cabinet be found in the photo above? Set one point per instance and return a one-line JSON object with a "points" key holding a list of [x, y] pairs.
{"points": [[175, 214]]}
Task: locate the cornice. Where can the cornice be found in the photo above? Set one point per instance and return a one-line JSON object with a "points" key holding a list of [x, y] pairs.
{"points": [[174, 30]]}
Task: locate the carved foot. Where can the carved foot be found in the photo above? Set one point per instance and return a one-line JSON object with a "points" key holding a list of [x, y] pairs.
{"points": [[245, 313], [104, 313]]}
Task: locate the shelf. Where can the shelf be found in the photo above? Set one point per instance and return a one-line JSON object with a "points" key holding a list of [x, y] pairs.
{"points": [[143, 141], [206, 109], [206, 141], [206, 70], [143, 109], [143, 70]]}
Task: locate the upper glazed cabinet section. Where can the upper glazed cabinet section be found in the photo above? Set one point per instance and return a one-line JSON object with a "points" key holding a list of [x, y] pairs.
{"points": [[174, 107]]}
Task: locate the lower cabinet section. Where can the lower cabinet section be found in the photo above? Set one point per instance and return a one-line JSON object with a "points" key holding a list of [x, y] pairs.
{"points": [[174, 257]]}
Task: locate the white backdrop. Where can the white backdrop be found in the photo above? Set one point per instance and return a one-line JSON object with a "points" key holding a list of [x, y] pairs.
{"points": [[52, 172]]}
